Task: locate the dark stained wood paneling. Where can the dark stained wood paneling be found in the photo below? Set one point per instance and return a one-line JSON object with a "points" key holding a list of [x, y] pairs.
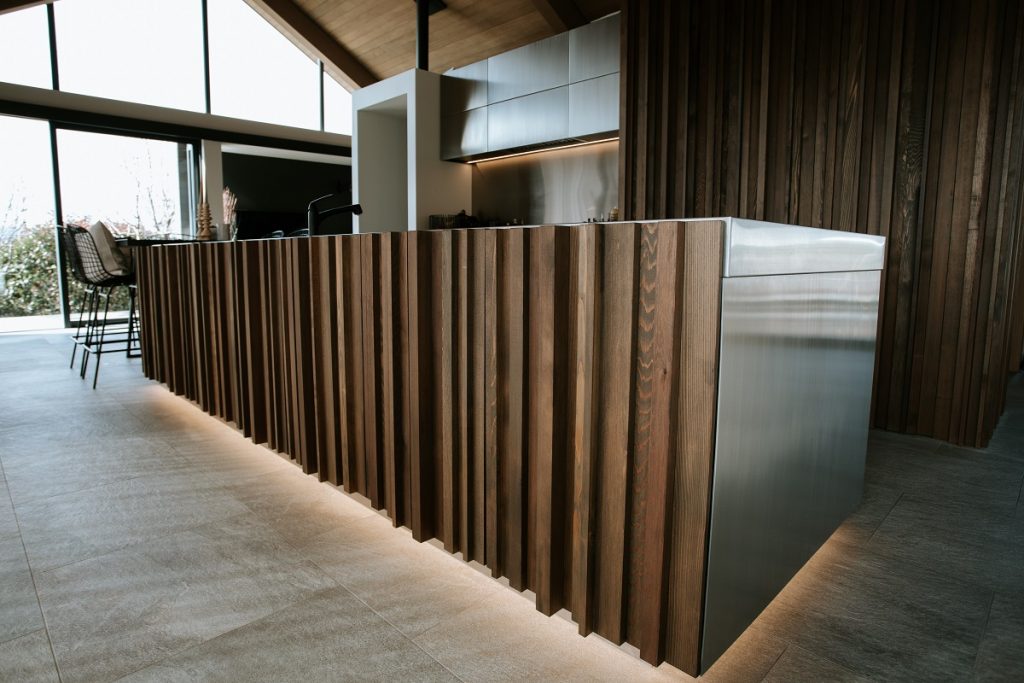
{"points": [[540, 400], [902, 119]]}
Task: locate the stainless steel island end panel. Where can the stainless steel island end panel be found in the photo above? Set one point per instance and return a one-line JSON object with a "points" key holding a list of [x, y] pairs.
{"points": [[798, 325]]}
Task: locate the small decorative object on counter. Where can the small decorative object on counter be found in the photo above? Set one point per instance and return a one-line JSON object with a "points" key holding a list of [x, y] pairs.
{"points": [[613, 215], [230, 202], [205, 231]]}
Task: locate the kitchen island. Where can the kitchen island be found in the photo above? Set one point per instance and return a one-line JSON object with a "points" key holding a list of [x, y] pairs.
{"points": [[651, 425]]}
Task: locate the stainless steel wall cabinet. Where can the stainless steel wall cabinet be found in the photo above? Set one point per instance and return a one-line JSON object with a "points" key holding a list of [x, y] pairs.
{"points": [[558, 90], [532, 68]]}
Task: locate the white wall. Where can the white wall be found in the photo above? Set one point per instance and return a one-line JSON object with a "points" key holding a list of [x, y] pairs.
{"points": [[383, 168], [432, 186]]}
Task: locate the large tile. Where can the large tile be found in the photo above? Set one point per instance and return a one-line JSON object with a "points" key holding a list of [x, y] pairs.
{"points": [[8, 522], [1001, 653], [938, 473], [877, 503], [87, 523], [167, 415], [329, 637], [295, 504], [28, 660], [973, 542], [90, 418], [413, 585], [797, 664], [95, 462], [111, 615], [749, 659], [231, 461], [880, 617], [504, 638], [19, 607]]}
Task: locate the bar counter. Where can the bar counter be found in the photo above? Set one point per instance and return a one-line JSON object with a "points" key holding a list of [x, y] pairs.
{"points": [[651, 425]]}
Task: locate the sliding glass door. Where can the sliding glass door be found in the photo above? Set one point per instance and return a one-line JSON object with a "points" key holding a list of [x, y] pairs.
{"points": [[140, 187], [28, 264]]}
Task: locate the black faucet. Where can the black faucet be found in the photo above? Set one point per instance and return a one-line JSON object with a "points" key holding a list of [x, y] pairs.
{"points": [[315, 216]]}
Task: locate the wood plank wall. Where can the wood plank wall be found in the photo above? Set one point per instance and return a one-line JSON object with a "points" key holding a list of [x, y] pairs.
{"points": [[902, 118], [540, 400]]}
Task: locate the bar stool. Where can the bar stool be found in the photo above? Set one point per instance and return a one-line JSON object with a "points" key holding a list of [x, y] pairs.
{"points": [[102, 334]]}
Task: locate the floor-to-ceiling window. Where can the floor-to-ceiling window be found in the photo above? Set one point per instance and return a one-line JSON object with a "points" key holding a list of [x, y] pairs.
{"points": [[218, 56]]}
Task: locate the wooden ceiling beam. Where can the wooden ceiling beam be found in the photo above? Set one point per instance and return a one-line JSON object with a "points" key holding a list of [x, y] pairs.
{"points": [[561, 15], [12, 5], [291, 20]]}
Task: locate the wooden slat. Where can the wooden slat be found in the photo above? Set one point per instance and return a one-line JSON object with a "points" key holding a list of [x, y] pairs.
{"points": [[542, 482], [655, 374], [352, 462], [406, 439], [493, 549], [510, 318], [478, 265], [323, 276], [614, 416], [460, 394], [421, 377], [442, 329], [582, 425], [693, 441], [384, 320]]}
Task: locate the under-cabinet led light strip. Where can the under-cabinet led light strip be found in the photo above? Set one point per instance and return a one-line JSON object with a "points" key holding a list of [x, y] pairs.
{"points": [[541, 151]]}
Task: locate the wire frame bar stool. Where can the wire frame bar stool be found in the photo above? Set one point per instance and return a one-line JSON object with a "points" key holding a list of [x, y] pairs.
{"points": [[101, 333]]}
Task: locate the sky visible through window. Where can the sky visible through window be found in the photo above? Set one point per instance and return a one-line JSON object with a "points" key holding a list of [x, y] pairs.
{"points": [[148, 51], [25, 48], [256, 72]]}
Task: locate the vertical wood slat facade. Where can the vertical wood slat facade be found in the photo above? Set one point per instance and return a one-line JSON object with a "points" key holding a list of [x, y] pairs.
{"points": [[899, 118], [526, 396]]}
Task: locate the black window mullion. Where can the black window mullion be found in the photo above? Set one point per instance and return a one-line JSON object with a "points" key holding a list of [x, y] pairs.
{"points": [[320, 68], [206, 53], [58, 209], [51, 22]]}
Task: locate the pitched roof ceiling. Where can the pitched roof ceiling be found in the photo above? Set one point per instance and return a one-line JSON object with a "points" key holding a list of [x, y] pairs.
{"points": [[380, 35]]}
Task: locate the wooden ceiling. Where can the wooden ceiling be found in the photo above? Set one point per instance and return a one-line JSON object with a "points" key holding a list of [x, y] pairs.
{"points": [[381, 34]]}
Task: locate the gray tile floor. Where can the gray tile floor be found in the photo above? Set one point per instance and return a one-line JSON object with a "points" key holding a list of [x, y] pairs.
{"points": [[142, 540]]}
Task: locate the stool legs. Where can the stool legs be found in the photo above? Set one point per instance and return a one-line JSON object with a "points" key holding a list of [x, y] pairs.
{"points": [[103, 336], [97, 337], [79, 337]]}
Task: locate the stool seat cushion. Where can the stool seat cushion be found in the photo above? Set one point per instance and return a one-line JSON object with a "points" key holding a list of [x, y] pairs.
{"points": [[113, 259]]}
